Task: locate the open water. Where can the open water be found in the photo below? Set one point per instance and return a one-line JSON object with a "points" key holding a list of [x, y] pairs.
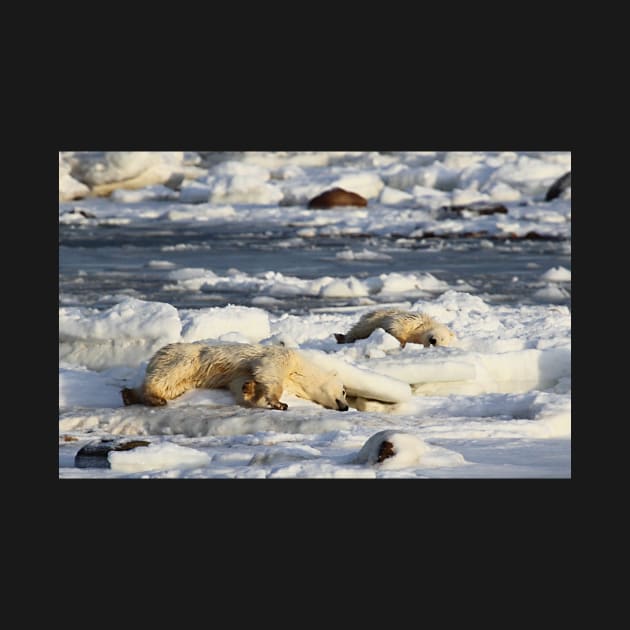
{"points": [[97, 262]]}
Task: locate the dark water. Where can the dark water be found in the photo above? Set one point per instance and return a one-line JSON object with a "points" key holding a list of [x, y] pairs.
{"points": [[97, 262]]}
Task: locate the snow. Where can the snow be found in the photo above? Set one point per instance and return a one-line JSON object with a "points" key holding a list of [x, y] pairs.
{"points": [[157, 457], [508, 376], [276, 284], [557, 274], [404, 190], [215, 323], [495, 404]]}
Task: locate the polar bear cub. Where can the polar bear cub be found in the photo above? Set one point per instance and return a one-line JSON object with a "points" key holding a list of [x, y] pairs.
{"points": [[256, 375], [406, 326]]}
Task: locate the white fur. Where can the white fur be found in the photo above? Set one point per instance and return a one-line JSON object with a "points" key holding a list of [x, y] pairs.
{"points": [[257, 375], [406, 326]]}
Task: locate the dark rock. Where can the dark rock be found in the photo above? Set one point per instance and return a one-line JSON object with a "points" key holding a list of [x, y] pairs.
{"points": [[559, 186], [336, 197], [83, 213], [533, 236], [385, 450], [478, 207], [94, 454], [501, 236]]}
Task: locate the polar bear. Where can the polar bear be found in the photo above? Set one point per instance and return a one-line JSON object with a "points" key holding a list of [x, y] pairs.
{"points": [[256, 375], [406, 326]]}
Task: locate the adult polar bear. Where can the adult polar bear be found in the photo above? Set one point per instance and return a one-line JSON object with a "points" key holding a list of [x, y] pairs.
{"points": [[256, 375]]}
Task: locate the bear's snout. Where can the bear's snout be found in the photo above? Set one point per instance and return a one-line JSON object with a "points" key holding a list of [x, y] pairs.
{"points": [[341, 405]]}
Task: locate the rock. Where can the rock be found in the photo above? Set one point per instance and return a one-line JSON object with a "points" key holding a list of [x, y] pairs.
{"points": [[386, 449], [392, 449], [337, 197], [479, 208], [559, 186], [79, 213], [94, 454]]}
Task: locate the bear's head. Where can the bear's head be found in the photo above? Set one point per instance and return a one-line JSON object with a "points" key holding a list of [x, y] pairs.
{"points": [[437, 335], [332, 394], [324, 388]]}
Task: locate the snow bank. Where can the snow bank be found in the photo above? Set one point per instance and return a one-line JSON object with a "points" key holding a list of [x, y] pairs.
{"points": [[132, 330], [159, 456], [202, 421], [216, 322], [131, 318], [124, 334]]}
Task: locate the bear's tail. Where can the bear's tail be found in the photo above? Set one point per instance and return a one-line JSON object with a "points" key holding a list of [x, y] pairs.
{"points": [[340, 338]]}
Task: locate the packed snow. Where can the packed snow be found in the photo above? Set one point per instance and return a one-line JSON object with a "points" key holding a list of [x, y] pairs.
{"points": [[497, 403]]}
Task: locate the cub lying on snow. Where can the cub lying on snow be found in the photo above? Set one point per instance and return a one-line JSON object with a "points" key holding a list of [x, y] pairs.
{"points": [[256, 375], [406, 326]]}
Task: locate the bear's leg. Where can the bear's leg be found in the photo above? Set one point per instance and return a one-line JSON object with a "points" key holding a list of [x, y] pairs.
{"points": [[277, 404], [152, 397], [269, 373], [272, 395], [268, 395], [130, 396], [250, 393], [246, 391], [421, 338], [141, 397], [154, 401]]}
